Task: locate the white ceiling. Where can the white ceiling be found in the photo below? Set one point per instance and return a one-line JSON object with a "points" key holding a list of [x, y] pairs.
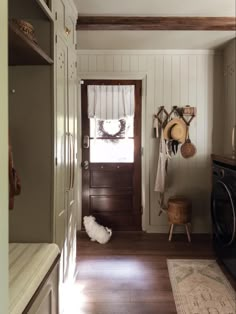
{"points": [[157, 7], [155, 39]]}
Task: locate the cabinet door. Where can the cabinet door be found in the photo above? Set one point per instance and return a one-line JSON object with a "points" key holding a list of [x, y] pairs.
{"points": [[65, 22], [70, 27], [61, 169], [60, 144], [59, 9], [46, 302], [72, 88]]}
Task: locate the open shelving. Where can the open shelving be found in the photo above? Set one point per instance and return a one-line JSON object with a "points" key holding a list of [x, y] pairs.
{"points": [[44, 6], [23, 51]]}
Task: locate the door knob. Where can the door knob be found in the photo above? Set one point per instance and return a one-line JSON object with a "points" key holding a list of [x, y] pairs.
{"points": [[85, 165]]}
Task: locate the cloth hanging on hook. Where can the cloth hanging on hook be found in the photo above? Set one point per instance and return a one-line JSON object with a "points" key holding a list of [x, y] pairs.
{"points": [[164, 156], [156, 126]]}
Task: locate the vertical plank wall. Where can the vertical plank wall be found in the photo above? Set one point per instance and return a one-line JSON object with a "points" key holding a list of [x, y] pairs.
{"points": [[230, 94], [172, 78]]}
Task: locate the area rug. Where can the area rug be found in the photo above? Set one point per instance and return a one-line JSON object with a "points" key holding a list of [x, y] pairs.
{"points": [[200, 287]]}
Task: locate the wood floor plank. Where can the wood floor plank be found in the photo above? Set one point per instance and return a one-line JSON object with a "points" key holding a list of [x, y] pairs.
{"points": [[129, 274]]}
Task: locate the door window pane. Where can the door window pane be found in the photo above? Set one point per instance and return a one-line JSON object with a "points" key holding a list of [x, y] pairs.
{"points": [[112, 127], [112, 140], [102, 150]]}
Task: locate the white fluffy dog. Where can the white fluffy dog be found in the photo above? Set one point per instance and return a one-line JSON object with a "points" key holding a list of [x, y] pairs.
{"points": [[95, 231]]}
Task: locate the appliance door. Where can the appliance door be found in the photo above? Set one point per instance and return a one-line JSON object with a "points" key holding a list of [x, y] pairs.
{"points": [[223, 214]]}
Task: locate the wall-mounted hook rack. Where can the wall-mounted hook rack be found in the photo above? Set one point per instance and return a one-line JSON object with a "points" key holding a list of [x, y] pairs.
{"points": [[186, 113]]}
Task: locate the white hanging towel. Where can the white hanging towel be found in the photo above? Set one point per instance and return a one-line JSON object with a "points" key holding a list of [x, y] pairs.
{"points": [[111, 102], [156, 127], [162, 164]]}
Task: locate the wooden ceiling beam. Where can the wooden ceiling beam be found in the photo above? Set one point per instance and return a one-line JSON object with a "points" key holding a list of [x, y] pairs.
{"points": [[156, 23]]}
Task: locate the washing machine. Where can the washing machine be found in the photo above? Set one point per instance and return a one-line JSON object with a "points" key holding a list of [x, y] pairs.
{"points": [[223, 212]]}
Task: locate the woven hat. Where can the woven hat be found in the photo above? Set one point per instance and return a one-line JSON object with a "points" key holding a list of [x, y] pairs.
{"points": [[176, 129]]}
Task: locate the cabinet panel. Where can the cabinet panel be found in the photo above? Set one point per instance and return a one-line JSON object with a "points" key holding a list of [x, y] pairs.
{"points": [[70, 30], [65, 22], [46, 302], [59, 9], [72, 130], [66, 129], [61, 183], [61, 104]]}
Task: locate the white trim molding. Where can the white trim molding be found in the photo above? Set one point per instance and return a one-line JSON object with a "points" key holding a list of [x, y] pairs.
{"points": [[149, 52]]}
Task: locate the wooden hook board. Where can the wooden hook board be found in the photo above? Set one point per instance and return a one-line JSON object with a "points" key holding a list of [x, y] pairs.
{"points": [[186, 113]]}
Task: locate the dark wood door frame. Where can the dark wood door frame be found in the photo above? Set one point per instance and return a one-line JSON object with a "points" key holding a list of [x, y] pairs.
{"points": [[137, 202]]}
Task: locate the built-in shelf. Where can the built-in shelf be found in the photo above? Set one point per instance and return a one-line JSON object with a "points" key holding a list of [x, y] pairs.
{"points": [[43, 5], [23, 51]]}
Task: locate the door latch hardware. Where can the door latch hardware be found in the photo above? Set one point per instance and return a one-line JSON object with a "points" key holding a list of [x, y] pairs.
{"points": [[86, 141], [85, 165]]}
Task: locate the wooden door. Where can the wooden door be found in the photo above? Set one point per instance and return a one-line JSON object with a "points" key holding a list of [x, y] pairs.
{"points": [[111, 190]]}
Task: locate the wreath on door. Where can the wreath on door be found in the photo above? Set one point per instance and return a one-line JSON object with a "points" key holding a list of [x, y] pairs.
{"points": [[118, 129]]}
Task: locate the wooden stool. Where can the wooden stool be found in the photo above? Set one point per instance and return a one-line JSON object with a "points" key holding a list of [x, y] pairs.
{"points": [[179, 213]]}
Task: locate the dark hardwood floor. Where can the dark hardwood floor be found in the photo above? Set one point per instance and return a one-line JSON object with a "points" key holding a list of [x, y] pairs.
{"points": [[129, 274]]}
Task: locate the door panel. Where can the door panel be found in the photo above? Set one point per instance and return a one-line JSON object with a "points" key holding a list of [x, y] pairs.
{"points": [[110, 203], [112, 190], [111, 175]]}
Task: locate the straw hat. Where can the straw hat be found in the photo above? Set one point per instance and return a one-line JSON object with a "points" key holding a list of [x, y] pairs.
{"points": [[176, 129]]}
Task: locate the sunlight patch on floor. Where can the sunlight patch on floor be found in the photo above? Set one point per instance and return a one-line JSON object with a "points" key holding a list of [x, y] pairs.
{"points": [[75, 299], [114, 269]]}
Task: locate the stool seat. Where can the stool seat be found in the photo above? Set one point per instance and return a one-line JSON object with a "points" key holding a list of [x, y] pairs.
{"points": [[179, 213]]}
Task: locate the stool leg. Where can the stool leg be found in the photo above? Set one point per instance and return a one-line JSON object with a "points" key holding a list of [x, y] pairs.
{"points": [[171, 231], [188, 234], [189, 227]]}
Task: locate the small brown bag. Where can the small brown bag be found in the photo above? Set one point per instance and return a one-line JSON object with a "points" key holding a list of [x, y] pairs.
{"points": [[188, 149]]}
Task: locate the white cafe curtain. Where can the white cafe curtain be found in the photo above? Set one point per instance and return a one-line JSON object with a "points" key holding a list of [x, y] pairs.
{"points": [[110, 102]]}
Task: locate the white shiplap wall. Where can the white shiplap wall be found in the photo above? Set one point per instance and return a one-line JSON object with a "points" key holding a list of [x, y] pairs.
{"points": [[170, 78]]}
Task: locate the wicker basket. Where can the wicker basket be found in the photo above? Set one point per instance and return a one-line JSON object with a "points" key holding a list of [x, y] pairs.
{"points": [[26, 28], [179, 210]]}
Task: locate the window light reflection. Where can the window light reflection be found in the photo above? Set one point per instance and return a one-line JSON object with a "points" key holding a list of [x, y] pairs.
{"points": [[108, 151]]}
